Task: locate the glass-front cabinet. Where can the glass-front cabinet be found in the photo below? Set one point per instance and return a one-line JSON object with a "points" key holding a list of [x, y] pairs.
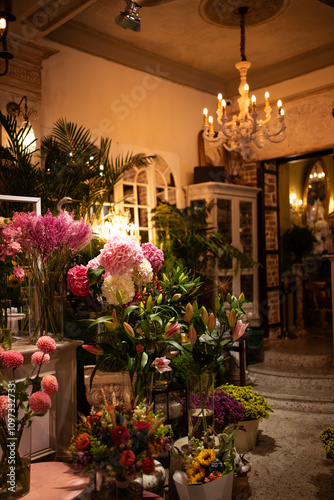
{"points": [[234, 215]]}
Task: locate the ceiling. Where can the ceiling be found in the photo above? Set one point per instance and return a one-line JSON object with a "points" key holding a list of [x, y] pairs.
{"points": [[179, 42]]}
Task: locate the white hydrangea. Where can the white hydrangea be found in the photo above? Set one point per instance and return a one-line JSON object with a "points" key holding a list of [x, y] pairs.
{"points": [[122, 283], [143, 274]]}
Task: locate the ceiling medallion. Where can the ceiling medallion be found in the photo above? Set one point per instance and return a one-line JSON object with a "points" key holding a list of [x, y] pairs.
{"points": [[225, 12]]}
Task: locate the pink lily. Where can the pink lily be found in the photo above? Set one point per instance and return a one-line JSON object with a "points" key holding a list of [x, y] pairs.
{"points": [[93, 349], [129, 330], [172, 330], [161, 364], [192, 334], [238, 330]]}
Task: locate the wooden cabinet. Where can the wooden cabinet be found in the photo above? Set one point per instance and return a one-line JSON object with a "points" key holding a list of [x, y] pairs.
{"points": [[234, 215]]}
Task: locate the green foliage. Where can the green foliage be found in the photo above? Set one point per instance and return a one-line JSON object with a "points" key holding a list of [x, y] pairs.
{"points": [[298, 241], [190, 241], [327, 439], [256, 406]]}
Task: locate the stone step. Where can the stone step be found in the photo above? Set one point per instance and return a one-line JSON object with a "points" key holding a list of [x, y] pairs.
{"points": [[292, 377], [306, 361], [294, 389]]}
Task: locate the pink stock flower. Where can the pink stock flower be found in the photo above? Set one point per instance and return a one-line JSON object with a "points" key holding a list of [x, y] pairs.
{"points": [[40, 402], [4, 403], [238, 330], [154, 255], [172, 330], [39, 358], [120, 255], [46, 235], [161, 364], [93, 349], [49, 384], [78, 282], [18, 273], [46, 344], [12, 359]]}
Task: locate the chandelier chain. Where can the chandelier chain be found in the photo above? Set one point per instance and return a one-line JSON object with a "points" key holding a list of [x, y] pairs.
{"points": [[242, 11]]}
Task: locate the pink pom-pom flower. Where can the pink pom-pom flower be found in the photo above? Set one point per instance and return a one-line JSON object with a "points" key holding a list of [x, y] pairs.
{"points": [[46, 344], [49, 384], [40, 402], [39, 358], [4, 403], [154, 255], [12, 359]]}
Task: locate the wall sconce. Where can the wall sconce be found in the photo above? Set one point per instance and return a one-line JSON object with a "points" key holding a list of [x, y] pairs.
{"points": [[28, 136], [6, 17]]}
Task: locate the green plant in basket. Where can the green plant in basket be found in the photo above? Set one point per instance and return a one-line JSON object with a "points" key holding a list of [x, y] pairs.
{"points": [[327, 439], [256, 406]]}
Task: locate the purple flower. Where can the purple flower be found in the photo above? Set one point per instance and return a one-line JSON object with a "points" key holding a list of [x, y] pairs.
{"points": [[227, 410]]}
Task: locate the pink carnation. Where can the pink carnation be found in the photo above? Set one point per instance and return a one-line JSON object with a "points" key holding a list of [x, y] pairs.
{"points": [[120, 255], [40, 402], [154, 255], [4, 403], [12, 359], [18, 273], [49, 384], [46, 344], [78, 282], [39, 358]]}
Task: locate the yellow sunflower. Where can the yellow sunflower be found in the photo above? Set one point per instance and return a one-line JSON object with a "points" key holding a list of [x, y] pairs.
{"points": [[206, 457]]}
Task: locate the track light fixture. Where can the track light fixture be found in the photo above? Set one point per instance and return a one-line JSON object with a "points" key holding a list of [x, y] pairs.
{"points": [[130, 17]]}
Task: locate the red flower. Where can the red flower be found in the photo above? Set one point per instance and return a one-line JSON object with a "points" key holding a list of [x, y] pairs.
{"points": [[142, 426], [82, 442], [120, 435], [127, 458], [148, 465]]}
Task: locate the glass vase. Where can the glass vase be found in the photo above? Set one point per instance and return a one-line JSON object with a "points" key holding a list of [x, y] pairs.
{"points": [[46, 306], [107, 488], [200, 404], [15, 454]]}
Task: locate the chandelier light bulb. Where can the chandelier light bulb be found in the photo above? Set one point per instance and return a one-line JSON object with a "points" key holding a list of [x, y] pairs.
{"points": [[210, 124], [205, 116], [266, 96], [246, 88]]}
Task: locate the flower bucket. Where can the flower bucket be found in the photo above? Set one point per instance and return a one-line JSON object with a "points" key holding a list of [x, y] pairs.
{"points": [[220, 489], [245, 440]]}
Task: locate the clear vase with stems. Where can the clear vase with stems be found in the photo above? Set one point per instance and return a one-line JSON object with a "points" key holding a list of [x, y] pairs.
{"points": [[200, 404]]}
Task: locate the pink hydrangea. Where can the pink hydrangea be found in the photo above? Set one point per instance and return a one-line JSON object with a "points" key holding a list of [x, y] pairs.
{"points": [[39, 358], [49, 384], [4, 403], [46, 344], [40, 402], [94, 263], [12, 359], [154, 255], [120, 255], [78, 282]]}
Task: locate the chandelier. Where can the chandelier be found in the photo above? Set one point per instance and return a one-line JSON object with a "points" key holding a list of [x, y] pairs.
{"points": [[243, 130], [115, 222]]}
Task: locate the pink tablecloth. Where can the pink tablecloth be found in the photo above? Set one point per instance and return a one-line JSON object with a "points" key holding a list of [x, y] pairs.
{"points": [[59, 481]]}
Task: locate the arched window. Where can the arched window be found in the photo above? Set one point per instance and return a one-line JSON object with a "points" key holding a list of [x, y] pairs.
{"points": [[140, 191]]}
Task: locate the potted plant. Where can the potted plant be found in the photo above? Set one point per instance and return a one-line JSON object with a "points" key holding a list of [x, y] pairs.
{"points": [[327, 439], [256, 409]]}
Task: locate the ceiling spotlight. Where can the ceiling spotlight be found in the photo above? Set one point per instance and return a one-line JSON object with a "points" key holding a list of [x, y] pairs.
{"points": [[130, 17]]}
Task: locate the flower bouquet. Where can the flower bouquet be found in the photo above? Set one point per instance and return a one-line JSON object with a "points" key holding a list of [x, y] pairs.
{"points": [[20, 402], [47, 243], [209, 466], [120, 443]]}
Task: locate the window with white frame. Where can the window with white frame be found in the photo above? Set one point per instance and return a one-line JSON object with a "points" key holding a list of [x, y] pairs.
{"points": [[141, 189]]}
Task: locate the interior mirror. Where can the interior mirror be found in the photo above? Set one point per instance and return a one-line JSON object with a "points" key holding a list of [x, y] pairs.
{"points": [[316, 193]]}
